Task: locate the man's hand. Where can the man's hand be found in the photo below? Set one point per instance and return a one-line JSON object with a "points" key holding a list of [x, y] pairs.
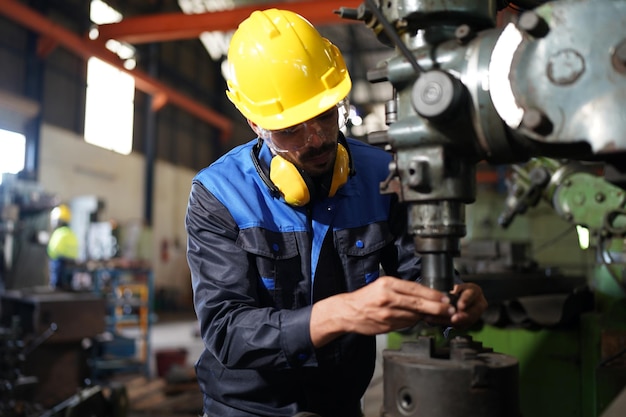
{"points": [[385, 305], [470, 305]]}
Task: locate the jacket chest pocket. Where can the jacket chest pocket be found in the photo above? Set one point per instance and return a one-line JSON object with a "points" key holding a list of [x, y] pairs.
{"points": [[277, 261], [360, 250]]}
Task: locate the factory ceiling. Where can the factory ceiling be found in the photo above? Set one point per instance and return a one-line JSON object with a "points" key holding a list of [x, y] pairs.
{"points": [[166, 26]]}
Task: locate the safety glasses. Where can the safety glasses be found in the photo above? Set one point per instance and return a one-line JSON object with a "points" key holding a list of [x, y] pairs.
{"points": [[324, 126]]}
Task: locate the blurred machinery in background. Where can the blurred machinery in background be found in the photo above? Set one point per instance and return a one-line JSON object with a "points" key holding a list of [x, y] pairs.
{"points": [[579, 194], [16, 392], [594, 335], [18, 388], [548, 82], [97, 237], [24, 230], [47, 335]]}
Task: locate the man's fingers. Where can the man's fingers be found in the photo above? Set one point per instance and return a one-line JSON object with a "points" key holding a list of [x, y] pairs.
{"points": [[424, 306], [414, 289], [469, 295]]}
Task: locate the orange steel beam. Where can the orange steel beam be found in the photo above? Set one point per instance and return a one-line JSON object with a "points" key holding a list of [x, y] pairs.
{"points": [[174, 26], [38, 23]]}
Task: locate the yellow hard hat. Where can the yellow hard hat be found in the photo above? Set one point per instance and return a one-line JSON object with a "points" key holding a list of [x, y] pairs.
{"points": [[61, 213], [282, 71]]}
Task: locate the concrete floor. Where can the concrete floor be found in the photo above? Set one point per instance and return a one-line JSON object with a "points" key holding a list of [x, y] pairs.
{"points": [[180, 332]]}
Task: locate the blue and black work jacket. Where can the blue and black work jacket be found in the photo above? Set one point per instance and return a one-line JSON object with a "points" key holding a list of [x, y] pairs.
{"points": [[256, 264]]}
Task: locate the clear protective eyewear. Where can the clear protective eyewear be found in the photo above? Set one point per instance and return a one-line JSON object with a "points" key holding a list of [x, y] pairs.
{"points": [[294, 138]]}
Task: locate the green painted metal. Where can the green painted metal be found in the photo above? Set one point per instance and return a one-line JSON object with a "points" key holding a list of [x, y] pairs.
{"points": [[550, 367], [566, 372]]}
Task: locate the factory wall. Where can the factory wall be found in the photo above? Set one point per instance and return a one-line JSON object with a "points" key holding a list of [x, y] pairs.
{"points": [[70, 167]]}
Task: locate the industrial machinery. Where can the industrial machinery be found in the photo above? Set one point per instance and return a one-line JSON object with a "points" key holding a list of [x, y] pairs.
{"points": [[469, 87], [24, 227], [467, 91], [582, 197], [45, 365], [17, 389]]}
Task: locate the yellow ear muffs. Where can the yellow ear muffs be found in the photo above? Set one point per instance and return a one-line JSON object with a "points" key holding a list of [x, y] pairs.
{"points": [[341, 170], [289, 181], [293, 184]]}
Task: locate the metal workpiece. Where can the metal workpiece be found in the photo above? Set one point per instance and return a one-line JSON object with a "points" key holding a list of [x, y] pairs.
{"points": [[460, 380]]}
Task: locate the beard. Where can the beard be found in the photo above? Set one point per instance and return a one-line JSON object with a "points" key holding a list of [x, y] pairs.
{"points": [[316, 152]]}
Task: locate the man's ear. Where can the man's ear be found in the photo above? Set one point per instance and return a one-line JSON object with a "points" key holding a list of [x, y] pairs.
{"points": [[255, 128]]}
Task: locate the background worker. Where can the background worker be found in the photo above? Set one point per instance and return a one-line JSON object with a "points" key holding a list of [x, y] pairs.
{"points": [[287, 235], [62, 248]]}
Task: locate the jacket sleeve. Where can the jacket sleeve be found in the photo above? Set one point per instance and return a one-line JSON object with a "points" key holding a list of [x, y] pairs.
{"points": [[237, 327]]}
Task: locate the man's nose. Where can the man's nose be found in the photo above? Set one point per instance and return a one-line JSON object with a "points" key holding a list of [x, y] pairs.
{"points": [[316, 136]]}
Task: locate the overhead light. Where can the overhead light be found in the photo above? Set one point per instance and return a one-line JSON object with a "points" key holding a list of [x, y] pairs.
{"points": [[101, 13], [94, 33], [215, 42], [130, 64]]}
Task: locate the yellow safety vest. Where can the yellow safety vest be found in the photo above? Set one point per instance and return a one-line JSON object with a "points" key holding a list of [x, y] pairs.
{"points": [[63, 243]]}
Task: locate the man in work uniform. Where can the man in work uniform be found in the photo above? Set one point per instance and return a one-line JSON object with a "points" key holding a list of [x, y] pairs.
{"points": [[287, 235]]}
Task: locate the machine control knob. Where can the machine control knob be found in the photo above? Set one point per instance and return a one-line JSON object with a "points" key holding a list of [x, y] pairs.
{"points": [[436, 95]]}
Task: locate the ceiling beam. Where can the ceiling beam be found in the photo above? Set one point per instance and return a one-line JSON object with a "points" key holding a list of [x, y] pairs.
{"points": [[175, 26], [23, 15]]}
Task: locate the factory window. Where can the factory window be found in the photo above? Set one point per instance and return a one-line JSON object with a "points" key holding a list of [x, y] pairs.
{"points": [[109, 104], [13, 147], [109, 108]]}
